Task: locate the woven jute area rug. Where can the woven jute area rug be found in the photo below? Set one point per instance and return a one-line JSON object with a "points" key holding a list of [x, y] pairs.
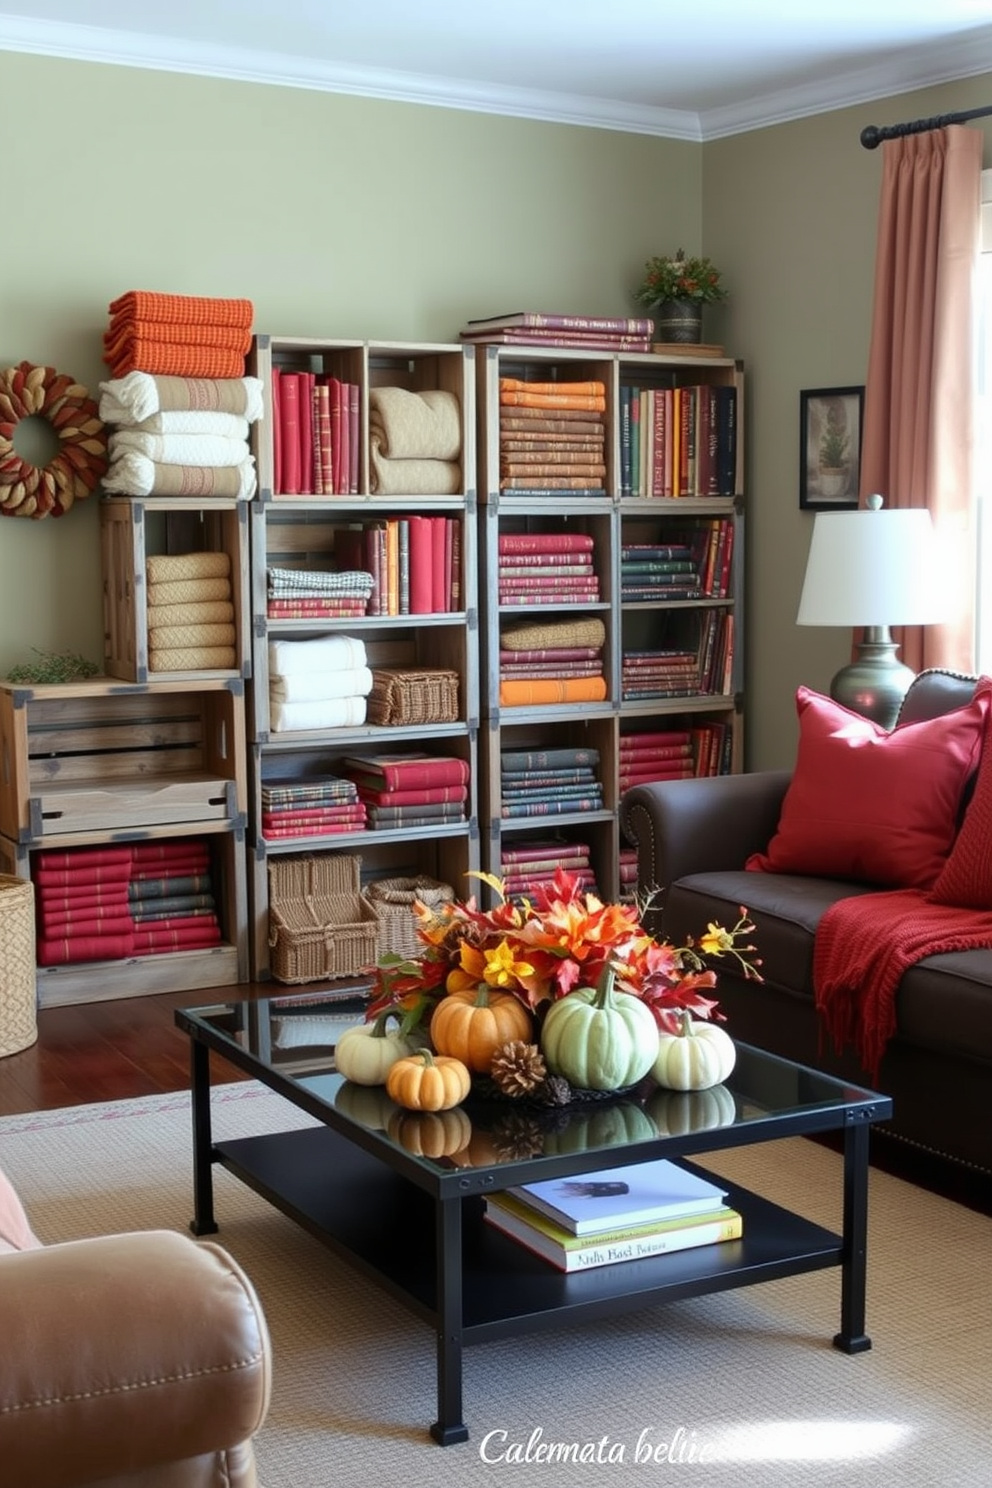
{"points": [[741, 1387]]}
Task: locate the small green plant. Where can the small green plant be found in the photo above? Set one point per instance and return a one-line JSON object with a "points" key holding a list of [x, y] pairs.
{"points": [[833, 448], [680, 278], [53, 666]]}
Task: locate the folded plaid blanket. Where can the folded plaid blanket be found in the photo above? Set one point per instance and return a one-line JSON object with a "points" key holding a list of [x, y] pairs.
{"points": [[308, 581]]}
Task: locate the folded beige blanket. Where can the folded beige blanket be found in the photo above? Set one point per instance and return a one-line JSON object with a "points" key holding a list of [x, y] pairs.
{"points": [[170, 592], [315, 687], [207, 612], [414, 477], [347, 712], [174, 637], [192, 659], [589, 631], [324, 654], [164, 568], [415, 426], [179, 449], [130, 399], [135, 475]]}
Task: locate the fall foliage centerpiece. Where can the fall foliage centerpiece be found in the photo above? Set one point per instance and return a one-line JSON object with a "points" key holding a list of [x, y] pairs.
{"points": [[555, 992]]}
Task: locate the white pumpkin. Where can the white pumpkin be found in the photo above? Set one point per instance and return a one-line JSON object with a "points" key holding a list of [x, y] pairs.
{"points": [[676, 1113], [698, 1056], [367, 1053]]}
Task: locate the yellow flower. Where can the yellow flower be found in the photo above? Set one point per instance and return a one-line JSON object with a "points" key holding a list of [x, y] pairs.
{"points": [[501, 968], [716, 941]]}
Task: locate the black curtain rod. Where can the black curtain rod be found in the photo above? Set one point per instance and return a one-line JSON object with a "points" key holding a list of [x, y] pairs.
{"points": [[872, 136]]}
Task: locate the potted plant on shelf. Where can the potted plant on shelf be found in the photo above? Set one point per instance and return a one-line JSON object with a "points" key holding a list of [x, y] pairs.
{"points": [[676, 289]]}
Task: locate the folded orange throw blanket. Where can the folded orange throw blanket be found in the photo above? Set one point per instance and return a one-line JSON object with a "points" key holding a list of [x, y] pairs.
{"points": [[121, 330], [175, 359], [145, 304]]}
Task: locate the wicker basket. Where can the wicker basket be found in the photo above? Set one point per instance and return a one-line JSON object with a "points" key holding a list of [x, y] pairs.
{"points": [[18, 1020], [413, 695], [392, 899], [320, 925]]}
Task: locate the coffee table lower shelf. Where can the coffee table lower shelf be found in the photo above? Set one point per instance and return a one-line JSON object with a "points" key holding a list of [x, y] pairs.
{"points": [[494, 1287]]}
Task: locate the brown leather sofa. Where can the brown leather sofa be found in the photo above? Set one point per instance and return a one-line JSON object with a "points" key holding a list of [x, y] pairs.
{"points": [[128, 1361], [693, 838]]}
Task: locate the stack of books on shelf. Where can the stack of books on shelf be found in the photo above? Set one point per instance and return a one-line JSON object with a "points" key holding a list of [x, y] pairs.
{"points": [[307, 594], [552, 436], [616, 1215], [530, 865], [660, 754], [555, 663], [315, 434], [663, 672], [712, 747], [564, 781], [678, 441], [546, 568], [661, 571], [311, 807], [414, 563], [539, 328], [628, 874], [409, 789]]}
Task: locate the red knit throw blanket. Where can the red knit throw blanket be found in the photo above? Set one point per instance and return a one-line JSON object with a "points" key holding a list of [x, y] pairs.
{"points": [[862, 947]]}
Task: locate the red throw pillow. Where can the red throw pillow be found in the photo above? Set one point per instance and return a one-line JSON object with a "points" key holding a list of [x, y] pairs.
{"points": [[873, 806]]}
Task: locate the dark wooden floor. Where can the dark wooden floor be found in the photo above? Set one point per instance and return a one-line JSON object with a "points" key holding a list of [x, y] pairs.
{"points": [[100, 1051]]}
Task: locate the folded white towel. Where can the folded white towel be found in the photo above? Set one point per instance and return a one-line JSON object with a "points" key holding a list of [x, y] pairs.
{"points": [[312, 687], [130, 399], [190, 421], [346, 712], [135, 475], [179, 449], [324, 654]]}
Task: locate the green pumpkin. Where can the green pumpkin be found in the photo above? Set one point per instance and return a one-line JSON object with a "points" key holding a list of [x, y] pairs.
{"points": [[606, 1124], [600, 1039]]}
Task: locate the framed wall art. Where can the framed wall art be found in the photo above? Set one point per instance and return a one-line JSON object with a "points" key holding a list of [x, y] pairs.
{"points": [[830, 422]]}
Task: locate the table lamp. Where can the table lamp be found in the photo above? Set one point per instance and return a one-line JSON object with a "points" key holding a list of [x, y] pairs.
{"points": [[874, 568]]}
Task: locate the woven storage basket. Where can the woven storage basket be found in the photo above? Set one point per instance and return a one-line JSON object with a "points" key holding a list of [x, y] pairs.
{"points": [[392, 899], [413, 695], [320, 925], [18, 1020]]}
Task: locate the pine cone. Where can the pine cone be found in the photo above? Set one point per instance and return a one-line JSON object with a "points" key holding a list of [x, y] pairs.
{"points": [[518, 1069], [516, 1137], [554, 1091]]}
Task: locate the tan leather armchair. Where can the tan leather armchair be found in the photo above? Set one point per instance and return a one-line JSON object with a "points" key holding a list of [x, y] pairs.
{"points": [[130, 1361]]}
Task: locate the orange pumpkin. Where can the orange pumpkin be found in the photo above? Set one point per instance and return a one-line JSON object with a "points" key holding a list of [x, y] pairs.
{"points": [[428, 1082], [473, 1024]]}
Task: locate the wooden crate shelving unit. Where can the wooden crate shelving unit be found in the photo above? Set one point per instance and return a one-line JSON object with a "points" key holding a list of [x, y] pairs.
{"points": [[302, 531], [102, 761]]}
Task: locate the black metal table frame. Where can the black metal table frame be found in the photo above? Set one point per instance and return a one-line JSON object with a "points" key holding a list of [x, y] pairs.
{"points": [[450, 1191]]}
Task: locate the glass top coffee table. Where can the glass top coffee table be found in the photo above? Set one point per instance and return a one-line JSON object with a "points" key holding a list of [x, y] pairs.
{"points": [[426, 1180]]}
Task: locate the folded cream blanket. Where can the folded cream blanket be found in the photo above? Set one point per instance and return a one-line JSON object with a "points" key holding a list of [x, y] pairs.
{"points": [[348, 712], [324, 654], [191, 421], [414, 477], [135, 475], [315, 687], [205, 612], [170, 592], [131, 399], [168, 568], [179, 449], [415, 426], [172, 637]]}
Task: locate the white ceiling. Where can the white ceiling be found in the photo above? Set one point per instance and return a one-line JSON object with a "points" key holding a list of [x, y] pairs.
{"points": [[688, 69]]}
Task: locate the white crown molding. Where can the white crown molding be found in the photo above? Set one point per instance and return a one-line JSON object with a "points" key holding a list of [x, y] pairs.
{"points": [[900, 74]]}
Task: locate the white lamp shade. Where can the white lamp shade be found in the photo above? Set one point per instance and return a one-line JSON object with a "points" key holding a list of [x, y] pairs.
{"points": [[881, 567]]}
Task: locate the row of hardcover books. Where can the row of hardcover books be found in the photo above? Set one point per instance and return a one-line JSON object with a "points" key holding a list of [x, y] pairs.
{"points": [[315, 434], [694, 564], [616, 1215], [678, 441], [415, 563]]}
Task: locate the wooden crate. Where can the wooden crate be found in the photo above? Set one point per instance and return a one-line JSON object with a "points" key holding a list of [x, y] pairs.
{"points": [[94, 758], [131, 530]]}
